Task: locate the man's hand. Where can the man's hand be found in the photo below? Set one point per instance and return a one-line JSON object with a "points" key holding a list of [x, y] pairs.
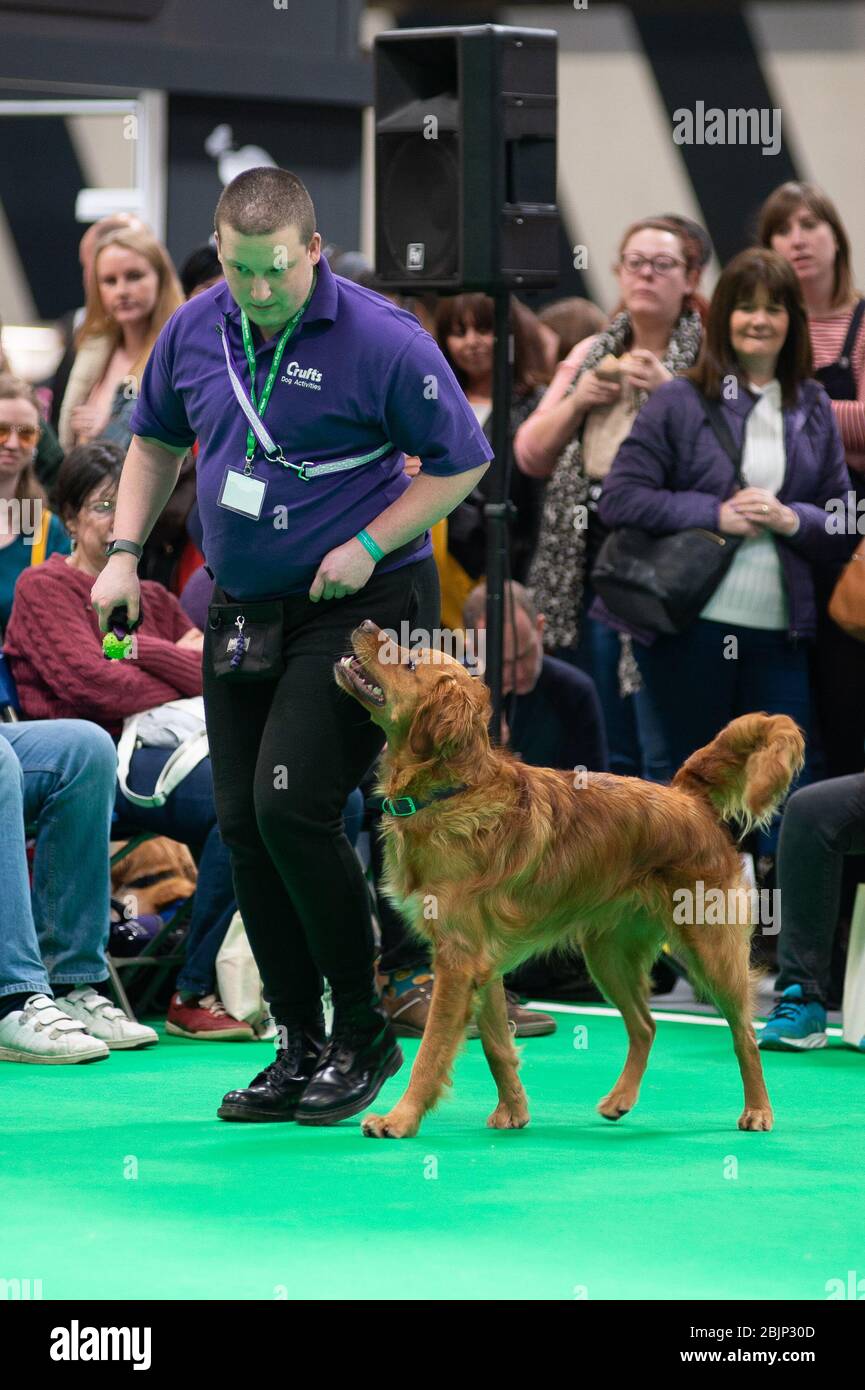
{"points": [[342, 571], [118, 584]]}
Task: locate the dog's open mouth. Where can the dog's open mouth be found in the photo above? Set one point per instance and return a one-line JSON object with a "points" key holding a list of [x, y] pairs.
{"points": [[352, 669]]}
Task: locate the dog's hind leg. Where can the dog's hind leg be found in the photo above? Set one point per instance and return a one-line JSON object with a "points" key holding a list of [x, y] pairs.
{"points": [[619, 962], [445, 1029], [718, 956], [512, 1111]]}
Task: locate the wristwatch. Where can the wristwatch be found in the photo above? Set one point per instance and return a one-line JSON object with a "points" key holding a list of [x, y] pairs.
{"points": [[130, 546]]}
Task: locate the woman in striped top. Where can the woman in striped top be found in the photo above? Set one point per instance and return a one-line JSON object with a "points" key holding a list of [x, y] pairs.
{"points": [[802, 224]]}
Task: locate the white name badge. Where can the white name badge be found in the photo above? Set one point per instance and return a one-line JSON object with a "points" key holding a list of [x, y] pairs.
{"points": [[242, 493]]}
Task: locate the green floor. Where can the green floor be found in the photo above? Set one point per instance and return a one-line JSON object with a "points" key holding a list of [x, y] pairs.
{"points": [[570, 1207]]}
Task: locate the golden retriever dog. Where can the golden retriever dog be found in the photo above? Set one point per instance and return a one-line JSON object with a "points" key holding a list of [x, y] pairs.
{"points": [[500, 861]]}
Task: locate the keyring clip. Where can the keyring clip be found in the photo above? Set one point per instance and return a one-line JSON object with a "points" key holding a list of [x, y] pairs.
{"points": [[299, 468]]}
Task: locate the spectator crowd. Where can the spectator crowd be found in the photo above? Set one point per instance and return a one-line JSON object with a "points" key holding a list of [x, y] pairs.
{"points": [[613, 423]]}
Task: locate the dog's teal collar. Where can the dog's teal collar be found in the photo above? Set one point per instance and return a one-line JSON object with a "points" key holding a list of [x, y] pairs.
{"points": [[409, 805]]}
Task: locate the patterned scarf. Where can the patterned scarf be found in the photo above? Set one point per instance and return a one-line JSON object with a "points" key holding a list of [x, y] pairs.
{"points": [[557, 574]]}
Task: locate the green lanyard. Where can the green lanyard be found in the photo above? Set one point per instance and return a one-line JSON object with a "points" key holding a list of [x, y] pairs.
{"points": [[260, 405]]}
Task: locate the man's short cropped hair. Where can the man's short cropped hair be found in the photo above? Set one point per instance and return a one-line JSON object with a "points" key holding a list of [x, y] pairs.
{"points": [[262, 200]]}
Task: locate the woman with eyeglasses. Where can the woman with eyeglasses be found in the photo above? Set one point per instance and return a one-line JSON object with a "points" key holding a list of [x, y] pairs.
{"points": [[572, 438], [29, 532], [54, 648]]}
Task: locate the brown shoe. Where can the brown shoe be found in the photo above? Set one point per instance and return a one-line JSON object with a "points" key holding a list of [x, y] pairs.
{"points": [[523, 1023], [408, 1013]]}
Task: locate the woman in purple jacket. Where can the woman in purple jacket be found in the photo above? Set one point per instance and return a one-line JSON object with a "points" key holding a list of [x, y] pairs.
{"points": [[747, 650]]}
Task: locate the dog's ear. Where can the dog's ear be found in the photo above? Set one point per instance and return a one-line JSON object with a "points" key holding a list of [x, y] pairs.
{"points": [[449, 719]]}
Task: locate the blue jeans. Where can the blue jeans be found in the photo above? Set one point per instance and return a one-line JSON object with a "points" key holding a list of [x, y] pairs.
{"points": [[60, 776], [697, 689]]}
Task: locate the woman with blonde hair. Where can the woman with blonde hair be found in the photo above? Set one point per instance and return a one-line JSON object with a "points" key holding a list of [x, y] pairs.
{"points": [[132, 293]]}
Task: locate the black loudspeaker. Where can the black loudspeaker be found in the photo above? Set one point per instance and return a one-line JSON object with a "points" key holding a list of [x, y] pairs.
{"points": [[465, 158]]}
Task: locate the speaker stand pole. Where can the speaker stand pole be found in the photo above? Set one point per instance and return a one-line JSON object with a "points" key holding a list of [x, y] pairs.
{"points": [[499, 509]]}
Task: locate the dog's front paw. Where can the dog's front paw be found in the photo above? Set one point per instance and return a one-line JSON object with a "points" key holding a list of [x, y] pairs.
{"points": [[392, 1126], [616, 1104], [755, 1117], [508, 1117]]}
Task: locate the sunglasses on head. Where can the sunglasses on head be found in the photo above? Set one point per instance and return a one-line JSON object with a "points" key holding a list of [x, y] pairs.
{"points": [[27, 434]]}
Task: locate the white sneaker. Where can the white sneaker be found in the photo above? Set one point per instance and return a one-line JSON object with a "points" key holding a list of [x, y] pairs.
{"points": [[40, 1032], [104, 1020]]}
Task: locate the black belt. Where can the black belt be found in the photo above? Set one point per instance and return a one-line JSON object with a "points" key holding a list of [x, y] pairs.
{"points": [[408, 549]]}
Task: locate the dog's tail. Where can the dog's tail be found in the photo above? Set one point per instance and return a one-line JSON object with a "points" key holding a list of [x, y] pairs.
{"points": [[744, 773]]}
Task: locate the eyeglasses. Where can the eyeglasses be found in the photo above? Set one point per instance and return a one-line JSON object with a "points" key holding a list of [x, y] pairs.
{"points": [[27, 434], [103, 508], [661, 265]]}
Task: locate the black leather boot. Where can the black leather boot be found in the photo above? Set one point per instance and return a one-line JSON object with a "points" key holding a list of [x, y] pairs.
{"points": [[362, 1053], [275, 1092]]}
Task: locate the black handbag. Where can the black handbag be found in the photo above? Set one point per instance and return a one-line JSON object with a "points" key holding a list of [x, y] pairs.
{"points": [[244, 640], [661, 583]]}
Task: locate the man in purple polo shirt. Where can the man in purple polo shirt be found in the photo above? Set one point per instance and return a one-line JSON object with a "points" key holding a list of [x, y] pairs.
{"points": [[304, 391]]}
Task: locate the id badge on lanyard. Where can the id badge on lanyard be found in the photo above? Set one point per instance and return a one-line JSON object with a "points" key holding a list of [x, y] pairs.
{"points": [[241, 491]]}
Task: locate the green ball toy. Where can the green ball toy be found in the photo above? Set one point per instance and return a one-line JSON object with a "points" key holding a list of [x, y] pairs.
{"points": [[117, 648]]}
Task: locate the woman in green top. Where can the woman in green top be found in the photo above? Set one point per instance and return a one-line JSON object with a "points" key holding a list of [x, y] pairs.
{"points": [[28, 530]]}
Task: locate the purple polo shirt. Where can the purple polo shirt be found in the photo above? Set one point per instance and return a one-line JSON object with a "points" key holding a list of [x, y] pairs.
{"points": [[357, 373]]}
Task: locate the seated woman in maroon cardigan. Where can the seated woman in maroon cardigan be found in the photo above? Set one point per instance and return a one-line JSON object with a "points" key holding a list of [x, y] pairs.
{"points": [[54, 648]]}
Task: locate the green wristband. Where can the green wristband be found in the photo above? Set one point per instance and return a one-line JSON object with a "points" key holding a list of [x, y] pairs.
{"points": [[369, 544]]}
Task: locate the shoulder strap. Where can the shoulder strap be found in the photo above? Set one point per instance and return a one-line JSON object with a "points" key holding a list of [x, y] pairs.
{"points": [[180, 762], [721, 430], [40, 545], [852, 330]]}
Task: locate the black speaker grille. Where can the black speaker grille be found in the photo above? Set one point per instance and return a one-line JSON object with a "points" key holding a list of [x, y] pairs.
{"points": [[419, 206]]}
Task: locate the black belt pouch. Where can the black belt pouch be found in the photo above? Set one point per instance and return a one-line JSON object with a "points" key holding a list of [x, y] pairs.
{"points": [[258, 627]]}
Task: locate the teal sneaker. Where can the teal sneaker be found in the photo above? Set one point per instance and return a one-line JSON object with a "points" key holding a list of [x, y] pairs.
{"points": [[795, 1024]]}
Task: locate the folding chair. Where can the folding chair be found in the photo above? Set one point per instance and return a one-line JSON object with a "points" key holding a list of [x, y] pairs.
{"points": [[149, 960]]}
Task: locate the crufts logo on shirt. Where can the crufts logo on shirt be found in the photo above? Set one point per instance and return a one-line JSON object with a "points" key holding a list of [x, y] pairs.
{"points": [[296, 375], [76, 1343]]}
